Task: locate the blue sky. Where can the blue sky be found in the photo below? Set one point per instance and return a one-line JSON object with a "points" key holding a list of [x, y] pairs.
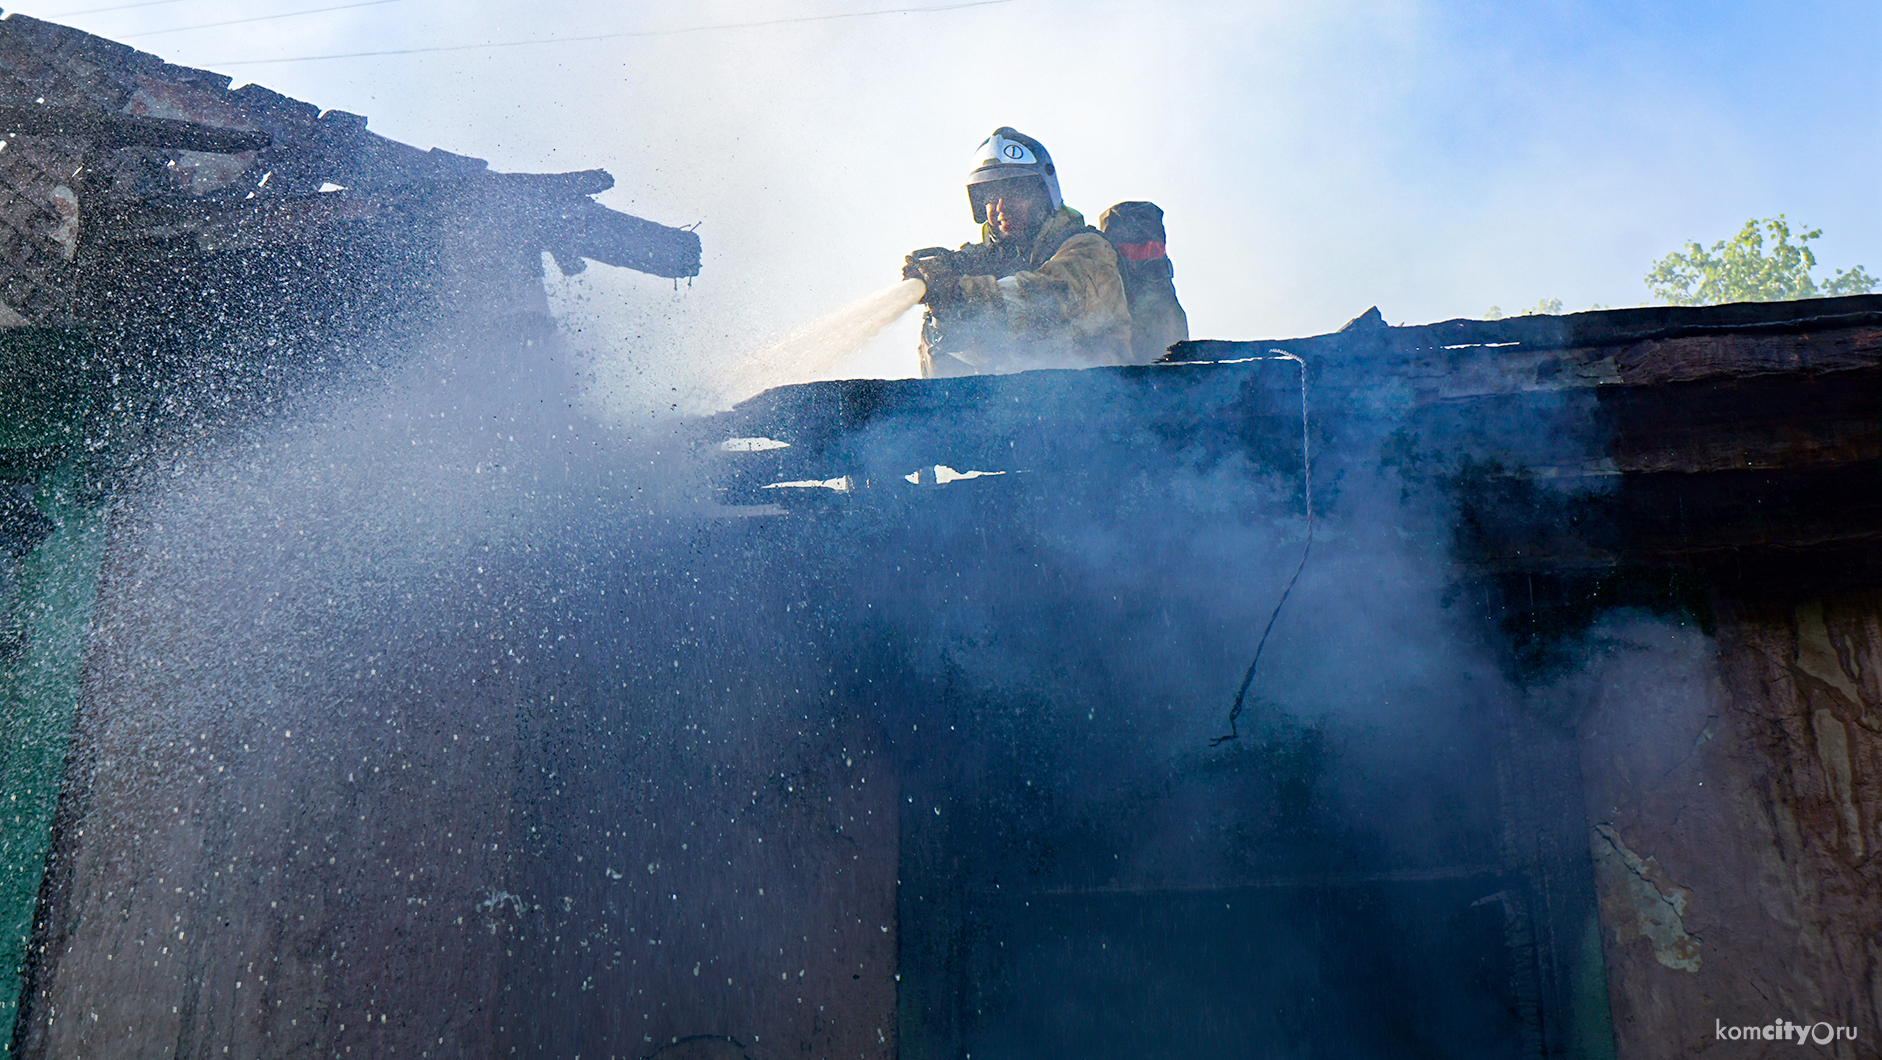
{"points": [[1431, 158]]}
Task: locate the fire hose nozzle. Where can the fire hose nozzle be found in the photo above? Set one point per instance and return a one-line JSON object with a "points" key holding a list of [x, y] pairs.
{"points": [[918, 265], [935, 268]]}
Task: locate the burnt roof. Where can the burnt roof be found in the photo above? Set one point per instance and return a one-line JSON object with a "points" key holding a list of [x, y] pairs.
{"points": [[148, 152], [1739, 439]]}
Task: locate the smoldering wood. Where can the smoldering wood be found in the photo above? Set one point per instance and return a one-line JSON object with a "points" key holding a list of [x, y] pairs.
{"points": [[1734, 450]]}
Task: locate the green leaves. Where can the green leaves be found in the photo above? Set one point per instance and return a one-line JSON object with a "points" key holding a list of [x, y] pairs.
{"points": [[1543, 307], [1743, 270]]}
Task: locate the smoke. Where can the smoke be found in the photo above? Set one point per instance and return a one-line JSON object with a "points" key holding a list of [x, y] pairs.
{"points": [[1028, 666], [814, 349], [1050, 653]]}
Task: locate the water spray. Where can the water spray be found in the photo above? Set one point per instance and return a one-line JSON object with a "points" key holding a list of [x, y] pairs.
{"points": [[1306, 475], [821, 344]]}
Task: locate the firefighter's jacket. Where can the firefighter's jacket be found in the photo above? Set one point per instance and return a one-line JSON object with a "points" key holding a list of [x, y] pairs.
{"points": [[1057, 303]]}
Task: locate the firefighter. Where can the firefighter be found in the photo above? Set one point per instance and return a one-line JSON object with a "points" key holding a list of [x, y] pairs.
{"points": [[1040, 290]]}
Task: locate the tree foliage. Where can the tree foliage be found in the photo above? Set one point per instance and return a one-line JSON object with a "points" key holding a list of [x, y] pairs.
{"points": [[1743, 269], [1543, 307]]}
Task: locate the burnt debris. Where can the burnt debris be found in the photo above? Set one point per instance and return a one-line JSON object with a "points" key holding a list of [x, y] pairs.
{"points": [[217, 247]]}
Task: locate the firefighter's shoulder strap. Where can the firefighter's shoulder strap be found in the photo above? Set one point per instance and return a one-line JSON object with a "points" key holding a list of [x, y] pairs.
{"points": [[1157, 318]]}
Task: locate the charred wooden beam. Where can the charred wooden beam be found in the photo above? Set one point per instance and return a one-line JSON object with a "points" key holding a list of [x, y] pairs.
{"points": [[1594, 329], [557, 185], [544, 216], [589, 230], [108, 131]]}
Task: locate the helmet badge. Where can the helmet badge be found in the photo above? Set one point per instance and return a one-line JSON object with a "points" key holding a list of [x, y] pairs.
{"points": [[1000, 150]]}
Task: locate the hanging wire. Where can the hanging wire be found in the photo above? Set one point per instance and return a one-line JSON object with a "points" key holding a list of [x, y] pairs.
{"points": [[258, 18], [711, 27], [1306, 473], [119, 7]]}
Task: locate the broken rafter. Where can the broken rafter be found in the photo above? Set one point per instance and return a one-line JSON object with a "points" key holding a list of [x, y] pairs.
{"points": [[107, 131]]}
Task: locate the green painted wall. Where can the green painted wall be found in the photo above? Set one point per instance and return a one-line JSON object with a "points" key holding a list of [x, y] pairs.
{"points": [[45, 607]]}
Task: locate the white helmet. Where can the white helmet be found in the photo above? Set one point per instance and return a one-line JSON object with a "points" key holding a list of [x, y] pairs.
{"points": [[1008, 155]]}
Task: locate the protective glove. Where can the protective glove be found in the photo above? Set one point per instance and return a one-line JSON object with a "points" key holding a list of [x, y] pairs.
{"points": [[937, 269]]}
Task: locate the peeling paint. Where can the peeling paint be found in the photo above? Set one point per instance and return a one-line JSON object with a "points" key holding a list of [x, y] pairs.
{"points": [[1818, 657], [1639, 901], [1833, 753], [64, 203]]}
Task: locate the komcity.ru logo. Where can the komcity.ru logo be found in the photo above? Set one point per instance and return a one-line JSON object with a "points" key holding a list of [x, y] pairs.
{"points": [[1785, 1031]]}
